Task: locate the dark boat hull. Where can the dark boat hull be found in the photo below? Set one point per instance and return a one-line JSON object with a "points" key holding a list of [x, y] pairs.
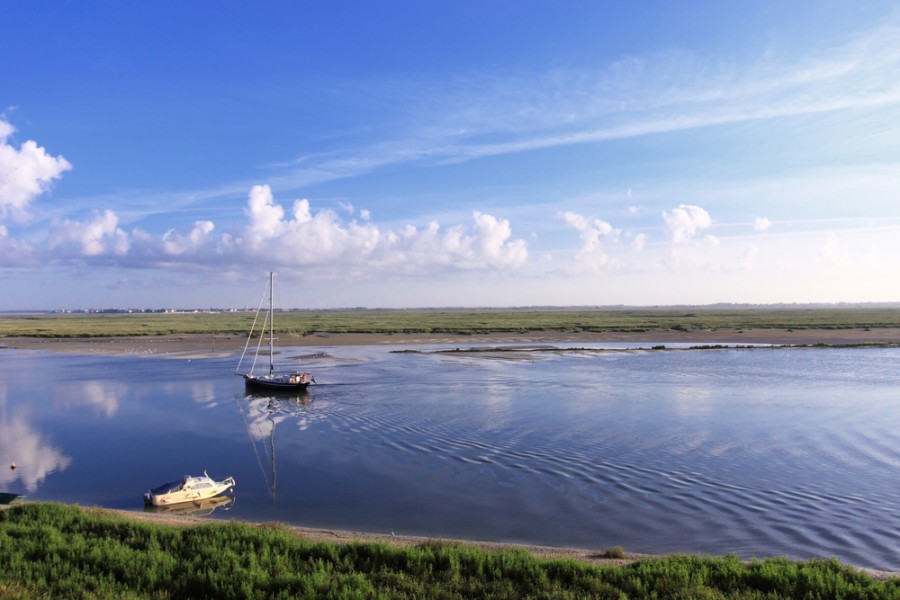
{"points": [[282, 384]]}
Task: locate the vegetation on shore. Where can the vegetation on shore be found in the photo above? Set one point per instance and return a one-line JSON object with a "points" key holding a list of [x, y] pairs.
{"points": [[58, 551], [452, 321]]}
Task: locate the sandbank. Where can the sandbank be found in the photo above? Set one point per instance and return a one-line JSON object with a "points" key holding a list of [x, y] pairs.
{"points": [[205, 345]]}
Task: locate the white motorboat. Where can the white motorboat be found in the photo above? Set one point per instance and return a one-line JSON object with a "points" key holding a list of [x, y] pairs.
{"points": [[188, 489]]}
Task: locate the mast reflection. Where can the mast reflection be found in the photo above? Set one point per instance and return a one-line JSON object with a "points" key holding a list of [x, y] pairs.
{"points": [[262, 411]]}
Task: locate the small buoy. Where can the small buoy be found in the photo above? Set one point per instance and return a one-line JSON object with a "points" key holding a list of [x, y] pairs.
{"points": [[231, 491], [13, 466]]}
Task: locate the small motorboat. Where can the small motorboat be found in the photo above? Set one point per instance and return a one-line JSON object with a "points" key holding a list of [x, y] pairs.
{"points": [[188, 489]]}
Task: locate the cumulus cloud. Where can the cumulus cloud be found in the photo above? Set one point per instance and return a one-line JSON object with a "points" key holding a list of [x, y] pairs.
{"points": [[176, 244], [25, 173], [592, 234], [101, 236], [318, 241], [685, 222], [266, 217], [321, 240], [590, 231], [688, 249], [492, 242], [301, 238]]}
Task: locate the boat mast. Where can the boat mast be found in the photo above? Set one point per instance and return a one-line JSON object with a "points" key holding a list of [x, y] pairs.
{"points": [[271, 323]]}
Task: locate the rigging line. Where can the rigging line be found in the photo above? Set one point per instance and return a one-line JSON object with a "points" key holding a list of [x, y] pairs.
{"points": [[259, 343], [249, 337]]}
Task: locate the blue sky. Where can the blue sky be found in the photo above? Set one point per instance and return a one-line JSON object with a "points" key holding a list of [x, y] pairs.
{"points": [[405, 154]]}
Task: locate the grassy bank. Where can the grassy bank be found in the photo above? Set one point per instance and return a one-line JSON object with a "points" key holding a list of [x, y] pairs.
{"points": [[52, 550], [466, 322]]}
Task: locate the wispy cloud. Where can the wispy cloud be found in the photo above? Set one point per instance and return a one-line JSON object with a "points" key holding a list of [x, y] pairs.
{"points": [[494, 114], [472, 116]]}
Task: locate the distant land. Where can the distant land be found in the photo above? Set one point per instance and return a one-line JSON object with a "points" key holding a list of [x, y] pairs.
{"points": [[564, 321], [719, 305]]}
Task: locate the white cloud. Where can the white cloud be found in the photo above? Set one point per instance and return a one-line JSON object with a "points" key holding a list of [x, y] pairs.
{"points": [[265, 216], [639, 241], [25, 173], [176, 244], [762, 224], [593, 234], [685, 222], [688, 249], [492, 242], [590, 231], [322, 241], [317, 241], [100, 236]]}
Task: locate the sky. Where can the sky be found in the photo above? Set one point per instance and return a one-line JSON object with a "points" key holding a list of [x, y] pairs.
{"points": [[402, 154]]}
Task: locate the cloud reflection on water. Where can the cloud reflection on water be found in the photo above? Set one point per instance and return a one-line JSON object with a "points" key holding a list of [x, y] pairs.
{"points": [[101, 395], [34, 458]]}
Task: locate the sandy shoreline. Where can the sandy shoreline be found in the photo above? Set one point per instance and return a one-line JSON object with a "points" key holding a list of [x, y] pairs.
{"points": [[205, 345], [400, 541]]}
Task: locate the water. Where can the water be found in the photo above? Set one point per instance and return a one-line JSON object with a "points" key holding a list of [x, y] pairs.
{"points": [[762, 452]]}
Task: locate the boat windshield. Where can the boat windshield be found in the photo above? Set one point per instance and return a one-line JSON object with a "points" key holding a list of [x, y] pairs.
{"points": [[165, 488]]}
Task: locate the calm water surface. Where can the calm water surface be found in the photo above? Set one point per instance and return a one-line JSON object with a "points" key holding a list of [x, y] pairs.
{"points": [[760, 452]]}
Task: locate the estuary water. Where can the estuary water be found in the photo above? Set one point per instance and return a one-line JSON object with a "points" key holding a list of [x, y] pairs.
{"points": [[762, 452]]}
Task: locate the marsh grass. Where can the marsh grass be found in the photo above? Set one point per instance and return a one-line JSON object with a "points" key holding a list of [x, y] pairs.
{"points": [[58, 551], [459, 321]]}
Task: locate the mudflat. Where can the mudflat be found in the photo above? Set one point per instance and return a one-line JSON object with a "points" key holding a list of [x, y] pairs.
{"points": [[206, 345]]}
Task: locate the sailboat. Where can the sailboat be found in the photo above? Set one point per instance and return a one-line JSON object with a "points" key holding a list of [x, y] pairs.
{"points": [[291, 382]]}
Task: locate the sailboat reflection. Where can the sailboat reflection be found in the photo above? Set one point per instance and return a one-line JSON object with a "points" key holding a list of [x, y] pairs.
{"points": [[196, 508], [262, 411]]}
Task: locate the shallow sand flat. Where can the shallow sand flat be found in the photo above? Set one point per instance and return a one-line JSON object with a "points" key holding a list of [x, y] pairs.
{"points": [[205, 345]]}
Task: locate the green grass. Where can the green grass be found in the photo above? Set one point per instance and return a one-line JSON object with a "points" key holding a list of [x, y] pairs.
{"points": [[58, 551], [458, 321]]}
